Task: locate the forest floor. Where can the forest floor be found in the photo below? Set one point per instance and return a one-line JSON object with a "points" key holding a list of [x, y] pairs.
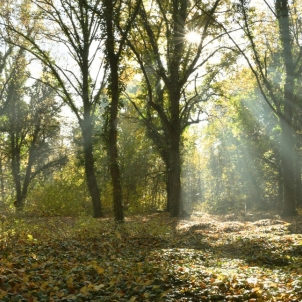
{"points": [[151, 258]]}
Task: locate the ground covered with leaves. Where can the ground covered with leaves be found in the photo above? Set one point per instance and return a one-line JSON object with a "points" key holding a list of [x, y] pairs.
{"points": [[151, 258]]}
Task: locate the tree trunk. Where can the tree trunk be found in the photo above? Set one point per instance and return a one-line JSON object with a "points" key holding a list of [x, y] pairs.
{"points": [[114, 169], [26, 180], [168, 191], [90, 170], [174, 176], [280, 186], [298, 167], [30, 162], [174, 173], [113, 62], [87, 132], [287, 136], [174, 196], [113, 155], [2, 181], [15, 162], [288, 171]]}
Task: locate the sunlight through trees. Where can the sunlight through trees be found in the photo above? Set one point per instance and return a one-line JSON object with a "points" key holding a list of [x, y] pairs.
{"points": [[176, 105]]}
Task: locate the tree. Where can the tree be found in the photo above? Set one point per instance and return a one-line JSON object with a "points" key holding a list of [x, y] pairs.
{"points": [[169, 64], [240, 148], [30, 127], [118, 18], [72, 28], [142, 170], [271, 62]]}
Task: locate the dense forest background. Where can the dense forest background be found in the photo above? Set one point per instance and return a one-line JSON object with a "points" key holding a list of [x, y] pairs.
{"points": [[131, 105]]}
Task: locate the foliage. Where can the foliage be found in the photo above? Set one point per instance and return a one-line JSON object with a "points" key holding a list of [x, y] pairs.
{"points": [[73, 27], [29, 125], [275, 61], [151, 258], [236, 76], [172, 89], [239, 149], [143, 173], [64, 195]]}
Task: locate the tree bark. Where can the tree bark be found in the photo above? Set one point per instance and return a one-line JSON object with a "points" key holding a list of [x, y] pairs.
{"points": [[298, 169], [113, 151], [15, 163], [114, 87], [174, 181], [114, 166], [87, 129], [87, 132], [174, 173], [287, 135], [2, 181], [90, 170], [288, 170]]}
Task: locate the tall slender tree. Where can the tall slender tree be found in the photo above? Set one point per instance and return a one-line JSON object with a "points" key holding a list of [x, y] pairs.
{"points": [[118, 17], [286, 119]]}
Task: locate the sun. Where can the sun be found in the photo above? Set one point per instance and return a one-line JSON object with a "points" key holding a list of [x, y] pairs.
{"points": [[193, 37]]}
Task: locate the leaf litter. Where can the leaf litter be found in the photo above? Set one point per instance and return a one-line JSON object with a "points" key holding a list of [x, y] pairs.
{"points": [[151, 258]]}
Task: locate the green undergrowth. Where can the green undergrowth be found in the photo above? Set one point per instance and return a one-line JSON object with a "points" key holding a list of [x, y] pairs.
{"points": [[150, 258]]}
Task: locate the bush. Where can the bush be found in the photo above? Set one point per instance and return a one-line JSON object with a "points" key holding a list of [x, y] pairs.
{"points": [[59, 198]]}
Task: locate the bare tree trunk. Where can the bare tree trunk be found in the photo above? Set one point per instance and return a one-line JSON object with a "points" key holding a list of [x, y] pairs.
{"points": [[15, 162], [174, 183], [174, 173], [298, 169], [288, 171], [90, 170], [2, 181], [114, 167], [91, 180], [287, 135], [87, 132]]}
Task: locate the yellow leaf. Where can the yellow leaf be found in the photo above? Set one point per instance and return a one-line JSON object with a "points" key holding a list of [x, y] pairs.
{"points": [[69, 280], [100, 270], [34, 256], [45, 284], [98, 287], [132, 299], [26, 278], [166, 292], [146, 295], [84, 290], [60, 294], [149, 282], [2, 293]]}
